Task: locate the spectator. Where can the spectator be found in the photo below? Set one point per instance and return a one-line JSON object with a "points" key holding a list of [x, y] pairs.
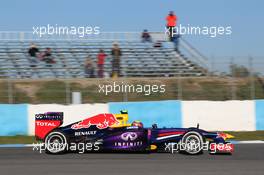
{"points": [[116, 54], [175, 40], [47, 56], [157, 44], [146, 36], [100, 63], [89, 68], [33, 53], [171, 23]]}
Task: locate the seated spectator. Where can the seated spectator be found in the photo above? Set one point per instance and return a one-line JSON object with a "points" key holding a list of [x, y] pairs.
{"points": [[100, 63], [33, 52], [146, 36], [157, 44], [89, 68], [47, 56]]}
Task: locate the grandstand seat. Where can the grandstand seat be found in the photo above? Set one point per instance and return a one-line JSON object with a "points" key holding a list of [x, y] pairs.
{"points": [[138, 59]]}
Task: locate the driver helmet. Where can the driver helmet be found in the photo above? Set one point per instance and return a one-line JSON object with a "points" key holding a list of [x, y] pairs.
{"points": [[137, 123]]}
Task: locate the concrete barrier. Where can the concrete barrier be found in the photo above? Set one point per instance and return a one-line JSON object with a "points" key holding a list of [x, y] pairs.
{"points": [[219, 115], [211, 115], [13, 119], [259, 114]]}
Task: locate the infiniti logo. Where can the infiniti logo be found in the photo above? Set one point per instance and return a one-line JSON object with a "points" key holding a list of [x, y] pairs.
{"points": [[129, 136]]}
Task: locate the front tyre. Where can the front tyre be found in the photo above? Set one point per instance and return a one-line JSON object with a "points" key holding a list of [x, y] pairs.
{"points": [[55, 143], [192, 143]]}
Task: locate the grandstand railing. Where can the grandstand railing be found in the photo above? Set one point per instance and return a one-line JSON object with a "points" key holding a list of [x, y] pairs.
{"points": [[194, 54], [103, 36]]}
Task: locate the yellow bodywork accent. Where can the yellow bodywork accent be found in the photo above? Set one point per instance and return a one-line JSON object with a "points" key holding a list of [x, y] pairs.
{"points": [[123, 119], [229, 136], [153, 147]]}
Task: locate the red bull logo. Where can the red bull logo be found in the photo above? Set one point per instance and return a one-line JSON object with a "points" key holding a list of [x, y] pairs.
{"points": [[101, 121]]}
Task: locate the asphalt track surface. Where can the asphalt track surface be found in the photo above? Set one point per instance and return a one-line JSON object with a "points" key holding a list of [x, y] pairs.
{"points": [[248, 159]]}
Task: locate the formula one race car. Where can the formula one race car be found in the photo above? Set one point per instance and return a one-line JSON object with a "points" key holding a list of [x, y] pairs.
{"points": [[112, 133]]}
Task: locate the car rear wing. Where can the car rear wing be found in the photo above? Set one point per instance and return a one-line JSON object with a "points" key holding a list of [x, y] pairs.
{"points": [[46, 122]]}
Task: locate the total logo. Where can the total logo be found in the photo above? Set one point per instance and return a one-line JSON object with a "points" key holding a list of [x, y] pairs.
{"points": [[129, 136], [38, 123]]}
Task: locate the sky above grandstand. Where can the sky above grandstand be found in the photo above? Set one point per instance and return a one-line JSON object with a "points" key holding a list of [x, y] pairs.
{"points": [[245, 16]]}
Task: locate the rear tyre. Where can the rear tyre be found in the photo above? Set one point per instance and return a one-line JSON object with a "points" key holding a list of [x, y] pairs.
{"points": [[192, 143], [55, 143]]}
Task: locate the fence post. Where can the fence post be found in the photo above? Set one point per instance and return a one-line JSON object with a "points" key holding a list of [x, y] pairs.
{"points": [[212, 66], [125, 94], [68, 92], [179, 86], [252, 79], [10, 91], [232, 79]]}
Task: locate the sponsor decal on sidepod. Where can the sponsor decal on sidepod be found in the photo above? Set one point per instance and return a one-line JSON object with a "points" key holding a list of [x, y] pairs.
{"points": [[129, 136], [85, 133], [101, 121], [128, 140]]}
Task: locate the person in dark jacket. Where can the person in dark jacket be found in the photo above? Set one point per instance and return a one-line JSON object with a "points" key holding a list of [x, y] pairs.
{"points": [[33, 52], [116, 54], [47, 56], [146, 36]]}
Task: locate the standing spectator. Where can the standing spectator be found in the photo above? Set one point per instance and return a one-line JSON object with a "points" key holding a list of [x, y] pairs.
{"points": [[171, 23], [176, 39], [47, 56], [89, 68], [145, 36], [33, 53], [116, 54], [100, 63]]}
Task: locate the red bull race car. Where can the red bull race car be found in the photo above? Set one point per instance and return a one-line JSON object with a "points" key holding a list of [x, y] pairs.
{"points": [[112, 133]]}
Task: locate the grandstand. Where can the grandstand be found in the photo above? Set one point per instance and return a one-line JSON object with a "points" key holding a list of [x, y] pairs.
{"points": [[138, 59]]}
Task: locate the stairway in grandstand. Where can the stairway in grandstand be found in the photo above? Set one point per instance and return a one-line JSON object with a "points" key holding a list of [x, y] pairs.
{"points": [[138, 59]]}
